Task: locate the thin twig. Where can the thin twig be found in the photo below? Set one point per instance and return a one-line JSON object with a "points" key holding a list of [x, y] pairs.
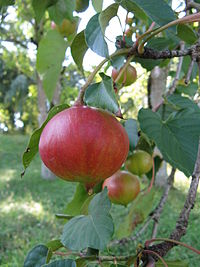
{"points": [[158, 210], [189, 73]]}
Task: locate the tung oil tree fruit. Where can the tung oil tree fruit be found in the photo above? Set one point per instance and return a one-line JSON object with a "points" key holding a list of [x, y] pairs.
{"points": [[140, 162], [127, 78], [81, 5], [84, 144], [123, 187]]}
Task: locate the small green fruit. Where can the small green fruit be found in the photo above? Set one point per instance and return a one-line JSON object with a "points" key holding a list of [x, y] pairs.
{"points": [[139, 163], [67, 27], [81, 5]]}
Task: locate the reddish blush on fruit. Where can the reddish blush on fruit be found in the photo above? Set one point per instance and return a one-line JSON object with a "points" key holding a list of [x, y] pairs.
{"points": [[84, 144], [123, 187], [127, 78]]}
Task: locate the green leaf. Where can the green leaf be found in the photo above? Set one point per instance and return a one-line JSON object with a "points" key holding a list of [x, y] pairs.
{"points": [[138, 212], [95, 37], [97, 4], [118, 62], [81, 262], [158, 11], [78, 49], [130, 6], [74, 207], [177, 138], [185, 33], [36, 257], [190, 89], [106, 15], [4, 3], [173, 264], [132, 131], [61, 263], [54, 244], [32, 147], [148, 64], [179, 102], [50, 55], [102, 95], [40, 7], [94, 230], [63, 9]]}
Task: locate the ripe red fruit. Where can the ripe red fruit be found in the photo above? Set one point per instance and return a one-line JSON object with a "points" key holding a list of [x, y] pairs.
{"points": [[83, 144], [127, 78], [139, 163], [123, 187]]}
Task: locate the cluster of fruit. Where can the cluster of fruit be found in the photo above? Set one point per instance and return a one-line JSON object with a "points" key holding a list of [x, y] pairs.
{"points": [[88, 145]]}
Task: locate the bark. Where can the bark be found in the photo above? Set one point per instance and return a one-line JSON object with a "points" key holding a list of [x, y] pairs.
{"points": [[158, 79], [42, 107]]}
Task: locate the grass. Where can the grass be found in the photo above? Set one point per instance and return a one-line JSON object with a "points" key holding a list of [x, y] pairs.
{"points": [[28, 205]]}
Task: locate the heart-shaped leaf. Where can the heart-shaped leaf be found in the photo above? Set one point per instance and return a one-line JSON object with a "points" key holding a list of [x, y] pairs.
{"points": [[95, 37], [63, 9], [97, 4], [75, 205], [102, 95], [158, 11], [50, 55], [36, 257], [177, 137], [41, 6], [94, 230], [78, 49], [106, 15]]}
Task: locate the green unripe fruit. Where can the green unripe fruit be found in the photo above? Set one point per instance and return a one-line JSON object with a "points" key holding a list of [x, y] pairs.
{"points": [[81, 5], [139, 163], [68, 27]]}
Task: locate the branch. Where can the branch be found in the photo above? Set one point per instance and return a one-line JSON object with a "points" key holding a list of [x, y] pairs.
{"points": [[12, 40], [96, 257], [182, 223]]}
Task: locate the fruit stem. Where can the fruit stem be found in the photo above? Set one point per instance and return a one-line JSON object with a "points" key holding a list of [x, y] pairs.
{"points": [[152, 179], [80, 97], [148, 242], [124, 68]]}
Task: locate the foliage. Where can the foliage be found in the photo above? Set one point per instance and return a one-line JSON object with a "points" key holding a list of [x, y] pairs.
{"points": [[173, 126], [35, 206]]}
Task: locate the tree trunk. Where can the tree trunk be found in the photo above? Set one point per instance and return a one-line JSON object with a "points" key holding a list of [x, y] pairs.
{"points": [[157, 84], [42, 107]]}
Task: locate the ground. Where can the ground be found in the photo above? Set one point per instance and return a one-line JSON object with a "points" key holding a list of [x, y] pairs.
{"points": [[28, 205]]}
